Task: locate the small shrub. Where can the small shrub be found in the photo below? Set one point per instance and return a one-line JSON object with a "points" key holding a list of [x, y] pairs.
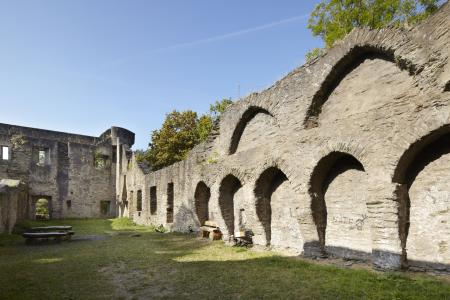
{"points": [[122, 223], [161, 229], [213, 159]]}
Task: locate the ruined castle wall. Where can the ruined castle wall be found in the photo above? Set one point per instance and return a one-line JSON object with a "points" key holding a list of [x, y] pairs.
{"points": [[89, 185], [321, 162], [181, 213], [65, 173]]}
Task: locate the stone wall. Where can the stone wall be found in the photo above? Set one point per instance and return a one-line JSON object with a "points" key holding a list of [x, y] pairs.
{"points": [[320, 163], [74, 172], [13, 204]]}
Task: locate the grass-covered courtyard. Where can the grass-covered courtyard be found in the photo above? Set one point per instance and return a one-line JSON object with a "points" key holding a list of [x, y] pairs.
{"points": [[114, 259]]}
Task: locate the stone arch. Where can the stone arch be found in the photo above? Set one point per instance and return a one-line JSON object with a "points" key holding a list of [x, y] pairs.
{"points": [[223, 170], [246, 117], [352, 58], [405, 162], [343, 145], [337, 188], [423, 193], [202, 195], [274, 162], [229, 186]]}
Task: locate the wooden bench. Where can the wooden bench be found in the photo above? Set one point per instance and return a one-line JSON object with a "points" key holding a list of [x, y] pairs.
{"points": [[38, 236], [243, 237], [211, 230]]}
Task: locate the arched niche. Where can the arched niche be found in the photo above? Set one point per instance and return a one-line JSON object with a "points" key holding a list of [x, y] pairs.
{"points": [[202, 195], [423, 193], [338, 188], [254, 127], [276, 210], [228, 190]]}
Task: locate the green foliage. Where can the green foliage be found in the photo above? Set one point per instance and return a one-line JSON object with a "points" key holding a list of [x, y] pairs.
{"points": [[140, 155], [122, 224], [204, 127], [206, 122], [99, 160], [333, 19], [216, 109], [313, 54], [180, 132], [161, 229], [17, 141], [42, 209], [213, 159]]}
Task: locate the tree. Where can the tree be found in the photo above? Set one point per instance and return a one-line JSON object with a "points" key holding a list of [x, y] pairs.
{"points": [[206, 122], [204, 126], [333, 19], [171, 143], [216, 109], [180, 132]]}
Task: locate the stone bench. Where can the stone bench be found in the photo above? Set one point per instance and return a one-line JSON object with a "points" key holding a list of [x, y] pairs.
{"points": [[38, 236], [51, 229], [211, 230]]}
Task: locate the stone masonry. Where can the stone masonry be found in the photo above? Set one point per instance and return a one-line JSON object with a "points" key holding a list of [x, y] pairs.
{"points": [[346, 156], [75, 173]]}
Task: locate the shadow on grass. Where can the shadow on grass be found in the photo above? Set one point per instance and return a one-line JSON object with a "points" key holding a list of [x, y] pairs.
{"points": [[285, 278], [154, 265]]}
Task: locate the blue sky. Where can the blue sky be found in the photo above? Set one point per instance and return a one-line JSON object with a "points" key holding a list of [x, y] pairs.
{"points": [[83, 66]]}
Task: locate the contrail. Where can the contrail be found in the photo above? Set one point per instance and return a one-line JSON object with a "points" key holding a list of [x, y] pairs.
{"points": [[208, 40]]}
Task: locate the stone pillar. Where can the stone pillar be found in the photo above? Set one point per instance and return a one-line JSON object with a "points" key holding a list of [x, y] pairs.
{"points": [[215, 213], [245, 216], [383, 209], [308, 229], [117, 209]]}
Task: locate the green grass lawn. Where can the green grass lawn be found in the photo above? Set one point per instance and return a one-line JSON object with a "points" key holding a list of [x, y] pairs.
{"points": [[110, 263]]}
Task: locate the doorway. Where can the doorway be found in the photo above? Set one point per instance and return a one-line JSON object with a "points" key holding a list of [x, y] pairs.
{"points": [[42, 205]]}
